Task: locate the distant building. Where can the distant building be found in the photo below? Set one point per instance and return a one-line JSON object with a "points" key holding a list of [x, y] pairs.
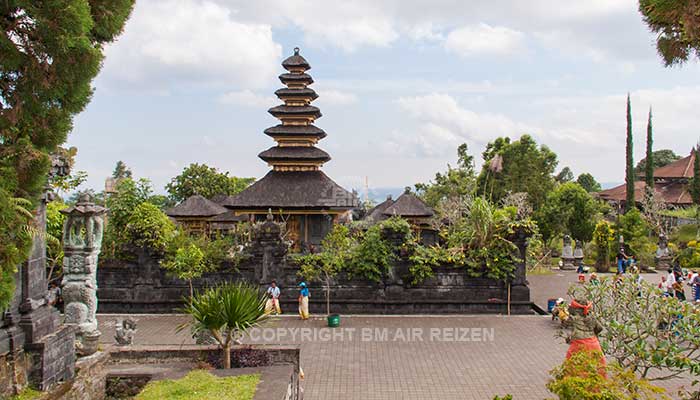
{"points": [[411, 208], [296, 190], [194, 214], [671, 182]]}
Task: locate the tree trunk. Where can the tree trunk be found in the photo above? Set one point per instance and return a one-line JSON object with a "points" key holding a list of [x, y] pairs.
{"points": [[227, 354]]}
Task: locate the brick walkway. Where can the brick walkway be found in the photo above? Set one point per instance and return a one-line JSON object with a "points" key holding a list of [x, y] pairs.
{"points": [[516, 360]]}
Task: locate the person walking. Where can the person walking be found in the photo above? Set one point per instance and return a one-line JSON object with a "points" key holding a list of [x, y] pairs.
{"points": [[303, 301], [273, 303], [621, 261]]}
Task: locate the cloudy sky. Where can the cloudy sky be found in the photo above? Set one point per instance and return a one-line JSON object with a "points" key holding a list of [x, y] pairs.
{"points": [[401, 82]]}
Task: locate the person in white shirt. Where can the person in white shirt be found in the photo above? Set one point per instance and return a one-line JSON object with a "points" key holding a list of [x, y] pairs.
{"points": [[273, 303]]}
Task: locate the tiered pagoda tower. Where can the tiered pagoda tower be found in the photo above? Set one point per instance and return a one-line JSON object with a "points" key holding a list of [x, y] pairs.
{"points": [[296, 190]]}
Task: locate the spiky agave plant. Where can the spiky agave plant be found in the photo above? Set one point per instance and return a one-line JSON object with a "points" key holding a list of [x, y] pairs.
{"points": [[226, 312]]}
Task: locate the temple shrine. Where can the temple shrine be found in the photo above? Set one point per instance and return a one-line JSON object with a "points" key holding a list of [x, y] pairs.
{"points": [[296, 191]]}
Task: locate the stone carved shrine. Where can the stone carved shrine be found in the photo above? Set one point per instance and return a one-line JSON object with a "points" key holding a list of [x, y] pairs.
{"points": [[82, 240]]}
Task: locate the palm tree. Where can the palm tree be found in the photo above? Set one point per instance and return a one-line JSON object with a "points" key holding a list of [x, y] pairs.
{"points": [[226, 312]]}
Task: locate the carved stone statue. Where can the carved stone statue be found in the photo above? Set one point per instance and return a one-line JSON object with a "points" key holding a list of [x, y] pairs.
{"points": [[82, 239], [584, 328], [124, 334], [663, 254], [578, 253], [268, 249], [567, 254]]}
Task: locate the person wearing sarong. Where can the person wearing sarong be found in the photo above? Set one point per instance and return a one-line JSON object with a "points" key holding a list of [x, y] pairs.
{"points": [[303, 301], [273, 301], [585, 330], [696, 288]]}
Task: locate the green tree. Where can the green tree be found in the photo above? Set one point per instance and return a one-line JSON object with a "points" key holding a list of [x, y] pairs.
{"points": [[458, 181], [148, 227], [565, 175], [129, 194], [226, 312], [205, 181], [675, 23], [520, 166], [629, 165], [604, 239], [654, 336], [326, 265], [661, 159], [51, 51], [695, 182], [121, 171], [649, 167], [568, 209], [588, 182]]}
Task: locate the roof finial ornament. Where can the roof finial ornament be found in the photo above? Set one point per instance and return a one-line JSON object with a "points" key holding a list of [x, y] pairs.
{"points": [[296, 51]]}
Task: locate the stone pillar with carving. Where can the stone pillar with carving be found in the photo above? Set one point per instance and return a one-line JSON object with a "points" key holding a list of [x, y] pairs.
{"points": [[268, 249], [82, 240]]}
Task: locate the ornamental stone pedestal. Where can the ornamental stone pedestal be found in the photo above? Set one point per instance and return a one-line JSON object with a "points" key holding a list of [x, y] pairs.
{"points": [[82, 239], [567, 255]]}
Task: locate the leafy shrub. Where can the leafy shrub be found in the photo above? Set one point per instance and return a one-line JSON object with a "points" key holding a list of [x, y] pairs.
{"points": [[604, 239], [372, 256], [690, 256], [148, 227], [583, 378]]}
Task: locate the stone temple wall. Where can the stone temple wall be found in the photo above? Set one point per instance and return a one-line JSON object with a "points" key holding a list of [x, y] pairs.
{"points": [[142, 286]]}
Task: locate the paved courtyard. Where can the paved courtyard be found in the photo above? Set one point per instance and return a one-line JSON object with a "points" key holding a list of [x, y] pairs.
{"points": [[416, 357]]}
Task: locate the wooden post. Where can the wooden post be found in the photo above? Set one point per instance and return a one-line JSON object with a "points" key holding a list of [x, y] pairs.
{"points": [[508, 298]]}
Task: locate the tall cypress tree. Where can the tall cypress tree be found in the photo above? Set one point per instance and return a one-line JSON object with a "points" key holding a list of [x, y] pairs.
{"points": [[695, 183], [649, 170], [629, 172]]}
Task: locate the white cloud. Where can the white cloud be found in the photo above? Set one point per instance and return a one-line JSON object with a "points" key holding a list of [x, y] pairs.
{"points": [[484, 39], [247, 98], [443, 124], [347, 25], [192, 41], [336, 97]]}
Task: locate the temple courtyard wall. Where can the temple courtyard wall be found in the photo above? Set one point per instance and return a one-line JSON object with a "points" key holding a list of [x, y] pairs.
{"points": [[142, 286]]}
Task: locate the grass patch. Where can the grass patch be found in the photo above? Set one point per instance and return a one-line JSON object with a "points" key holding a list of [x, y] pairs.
{"points": [[201, 385], [27, 394]]}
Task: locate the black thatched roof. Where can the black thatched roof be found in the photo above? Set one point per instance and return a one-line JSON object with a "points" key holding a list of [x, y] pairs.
{"points": [[294, 153], [282, 111], [408, 205], [376, 214], [219, 198], [296, 78], [293, 190], [295, 61], [196, 206], [304, 93], [229, 216], [295, 130]]}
